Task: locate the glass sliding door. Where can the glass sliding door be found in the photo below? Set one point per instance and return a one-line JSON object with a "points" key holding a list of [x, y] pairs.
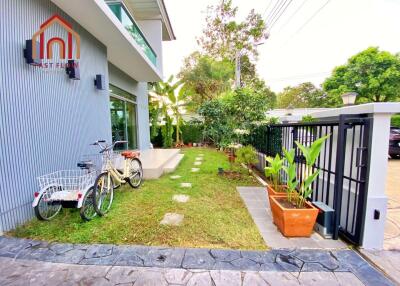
{"points": [[123, 118]]}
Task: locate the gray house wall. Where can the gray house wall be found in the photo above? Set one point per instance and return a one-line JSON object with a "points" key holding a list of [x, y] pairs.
{"points": [[123, 81], [46, 120]]}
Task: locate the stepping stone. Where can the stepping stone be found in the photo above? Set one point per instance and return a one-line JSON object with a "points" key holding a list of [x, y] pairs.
{"points": [[180, 198], [199, 158], [197, 163], [172, 219], [195, 169], [186, 185], [174, 177], [201, 155]]}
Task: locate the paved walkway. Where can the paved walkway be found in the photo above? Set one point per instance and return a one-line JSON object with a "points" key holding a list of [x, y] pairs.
{"points": [[43, 263], [257, 203], [388, 260]]}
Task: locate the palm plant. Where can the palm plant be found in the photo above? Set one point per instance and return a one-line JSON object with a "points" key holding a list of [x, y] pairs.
{"points": [[310, 155], [290, 170], [273, 170], [170, 99]]}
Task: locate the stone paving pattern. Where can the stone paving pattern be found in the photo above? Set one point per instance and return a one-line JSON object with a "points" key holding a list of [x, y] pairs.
{"points": [[297, 263]]}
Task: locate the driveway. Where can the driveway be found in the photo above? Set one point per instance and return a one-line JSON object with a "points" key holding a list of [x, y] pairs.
{"points": [[388, 260]]}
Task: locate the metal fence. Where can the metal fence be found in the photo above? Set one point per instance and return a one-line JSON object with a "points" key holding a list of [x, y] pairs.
{"points": [[343, 162]]}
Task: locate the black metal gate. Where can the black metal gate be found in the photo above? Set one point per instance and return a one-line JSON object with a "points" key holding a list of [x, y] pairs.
{"points": [[344, 161]]}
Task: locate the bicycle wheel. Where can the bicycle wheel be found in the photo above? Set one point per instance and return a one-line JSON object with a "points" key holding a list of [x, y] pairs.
{"points": [[87, 210], [46, 209], [135, 173], [103, 193]]}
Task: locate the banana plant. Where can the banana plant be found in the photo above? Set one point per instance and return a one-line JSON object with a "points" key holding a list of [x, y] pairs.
{"points": [[275, 165], [310, 154], [290, 170]]}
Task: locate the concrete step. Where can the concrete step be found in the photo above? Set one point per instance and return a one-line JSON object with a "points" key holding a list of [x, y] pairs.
{"points": [[173, 163], [154, 160]]}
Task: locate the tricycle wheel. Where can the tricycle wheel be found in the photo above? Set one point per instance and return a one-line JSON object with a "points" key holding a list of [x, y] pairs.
{"points": [[46, 209], [87, 210]]}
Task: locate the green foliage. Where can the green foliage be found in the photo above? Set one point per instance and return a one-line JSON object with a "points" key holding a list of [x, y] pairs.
{"points": [[167, 102], [373, 74], [291, 172], [301, 96], [205, 77], [192, 132], [218, 125], [247, 155], [224, 36], [308, 119], [310, 154], [395, 122], [272, 171]]}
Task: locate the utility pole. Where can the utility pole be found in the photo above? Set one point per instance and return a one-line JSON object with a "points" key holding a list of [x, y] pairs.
{"points": [[237, 70]]}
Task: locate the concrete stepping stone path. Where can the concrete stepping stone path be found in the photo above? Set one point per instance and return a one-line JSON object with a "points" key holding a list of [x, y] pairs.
{"points": [[201, 155], [197, 163], [199, 158], [195, 170], [186, 185], [172, 219], [181, 198], [174, 177]]}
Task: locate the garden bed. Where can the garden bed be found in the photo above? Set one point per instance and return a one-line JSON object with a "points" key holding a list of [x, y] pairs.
{"points": [[214, 216]]}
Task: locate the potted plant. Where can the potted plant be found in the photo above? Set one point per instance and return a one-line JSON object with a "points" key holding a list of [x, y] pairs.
{"points": [[272, 172], [293, 214]]}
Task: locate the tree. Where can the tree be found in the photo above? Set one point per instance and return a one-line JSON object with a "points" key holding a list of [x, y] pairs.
{"points": [[301, 96], [245, 106], [224, 37], [373, 74], [205, 78]]}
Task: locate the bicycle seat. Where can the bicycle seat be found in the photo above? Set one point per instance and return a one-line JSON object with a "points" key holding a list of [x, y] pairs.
{"points": [[130, 154], [85, 164]]}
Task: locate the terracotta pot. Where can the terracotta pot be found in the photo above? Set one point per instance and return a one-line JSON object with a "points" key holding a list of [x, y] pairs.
{"points": [[190, 144], [271, 191], [293, 222]]}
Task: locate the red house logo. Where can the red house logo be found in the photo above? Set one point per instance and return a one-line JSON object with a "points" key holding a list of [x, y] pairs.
{"points": [[65, 51]]}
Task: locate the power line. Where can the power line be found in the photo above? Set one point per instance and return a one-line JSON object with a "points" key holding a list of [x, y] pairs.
{"points": [[266, 9], [277, 12], [292, 16], [276, 20], [306, 22], [273, 10]]}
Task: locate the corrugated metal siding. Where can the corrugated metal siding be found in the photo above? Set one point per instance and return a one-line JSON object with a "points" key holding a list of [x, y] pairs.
{"points": [[46, 119]]}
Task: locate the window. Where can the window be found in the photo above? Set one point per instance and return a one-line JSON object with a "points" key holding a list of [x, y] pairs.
{"points": [[123, 117]]}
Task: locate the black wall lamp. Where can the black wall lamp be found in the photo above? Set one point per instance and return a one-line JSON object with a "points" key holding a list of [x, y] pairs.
{"points": [[72, 70], [99, 82], [28, 54]]}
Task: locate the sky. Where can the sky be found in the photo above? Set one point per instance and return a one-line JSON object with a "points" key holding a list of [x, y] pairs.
{"points": [[299, 49]]}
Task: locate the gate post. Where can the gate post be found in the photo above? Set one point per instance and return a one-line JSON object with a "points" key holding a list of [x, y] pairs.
{"points": [[376, 201]]}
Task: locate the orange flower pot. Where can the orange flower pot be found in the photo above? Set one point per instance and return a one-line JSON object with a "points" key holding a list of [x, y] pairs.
{"points": [[271, 192], [293, 222]]}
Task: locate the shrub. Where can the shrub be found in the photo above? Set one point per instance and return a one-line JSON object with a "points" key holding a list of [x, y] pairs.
{"points": [[247, 155], [395, 122], [192, 132]]}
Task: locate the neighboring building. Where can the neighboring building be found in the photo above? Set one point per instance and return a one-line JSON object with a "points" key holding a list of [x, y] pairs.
{"points": [[48, 119]]}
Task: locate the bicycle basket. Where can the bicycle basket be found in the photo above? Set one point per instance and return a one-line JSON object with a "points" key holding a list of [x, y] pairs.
{"points": [[68, 180]]}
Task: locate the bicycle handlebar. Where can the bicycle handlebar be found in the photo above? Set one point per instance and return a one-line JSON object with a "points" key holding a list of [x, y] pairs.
{"points": [[105, 147]]}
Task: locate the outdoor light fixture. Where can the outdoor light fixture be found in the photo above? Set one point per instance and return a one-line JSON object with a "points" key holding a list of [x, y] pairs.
{"points": [[72, 70], [99, 82], [349, 98], [28, 55]]}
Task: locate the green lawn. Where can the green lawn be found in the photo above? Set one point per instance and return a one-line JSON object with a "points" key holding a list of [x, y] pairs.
{"points": [[215, 216]]}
